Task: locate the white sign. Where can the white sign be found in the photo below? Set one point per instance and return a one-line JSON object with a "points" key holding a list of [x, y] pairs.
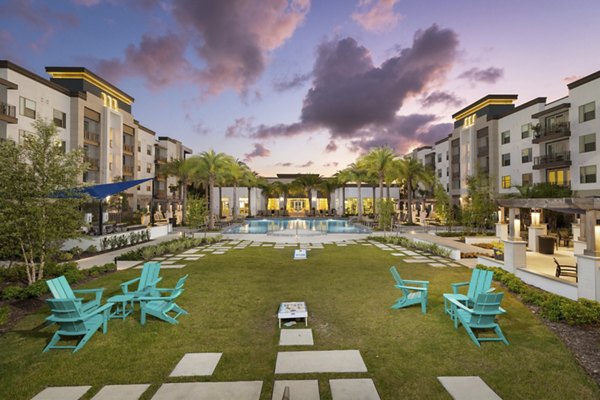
{"points": [[300, 254]]}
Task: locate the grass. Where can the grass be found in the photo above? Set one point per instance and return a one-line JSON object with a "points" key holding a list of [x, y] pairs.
{"points": [[233, 300]]}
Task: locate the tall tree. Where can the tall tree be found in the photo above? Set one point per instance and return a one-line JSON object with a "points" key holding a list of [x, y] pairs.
{"points": [[328, 186], [236, 171], [412, 172], [210, 168], [32, 216], [308, 182], [379, 161], [283, 190], [359, 173], [343, 177], [182, 170]]}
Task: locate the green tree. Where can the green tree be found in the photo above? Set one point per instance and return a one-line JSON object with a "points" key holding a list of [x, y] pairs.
{"points": [[32, 216], [443, 205], [209, 169], [386, 213], [328, 186], [412, 172], [196, 211], [307, 182], [182, 170], [480, 207], [379, 161], [359, 173]]}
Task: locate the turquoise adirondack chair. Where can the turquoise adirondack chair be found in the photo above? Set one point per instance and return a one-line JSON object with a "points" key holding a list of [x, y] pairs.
{"points": [[481, 282], [73, 321], [411, 294], [60, 289], [481, 316], [146, 282], [161, 306]]}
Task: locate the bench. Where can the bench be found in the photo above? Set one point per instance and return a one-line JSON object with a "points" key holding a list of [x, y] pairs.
{"points": [[565, 270]]}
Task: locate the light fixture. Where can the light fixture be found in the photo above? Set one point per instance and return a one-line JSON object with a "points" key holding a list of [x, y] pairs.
{"points": [[535, 217]]}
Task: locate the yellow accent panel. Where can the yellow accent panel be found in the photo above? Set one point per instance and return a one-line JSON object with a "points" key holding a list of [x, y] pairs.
{"points": [[85, 76], [482, 105]]}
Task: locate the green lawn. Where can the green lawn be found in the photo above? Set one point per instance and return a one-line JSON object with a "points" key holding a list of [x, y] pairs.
{"points": [[233, 300]]}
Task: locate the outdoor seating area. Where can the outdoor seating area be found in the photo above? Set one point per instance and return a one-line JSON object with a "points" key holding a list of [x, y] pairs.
{"points": [[78, 319]]}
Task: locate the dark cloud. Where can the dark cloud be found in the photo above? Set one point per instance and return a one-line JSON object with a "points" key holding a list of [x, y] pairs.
{"points": [[489, 75], [354, 100], [439, 96], [240, 128], [159, 60], [259, 151], [285, 164], [331, 147], [306, 164], [297, 81], [331, 164]]}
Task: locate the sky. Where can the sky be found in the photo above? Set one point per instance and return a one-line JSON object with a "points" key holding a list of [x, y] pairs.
{"points": [[301, 86]]}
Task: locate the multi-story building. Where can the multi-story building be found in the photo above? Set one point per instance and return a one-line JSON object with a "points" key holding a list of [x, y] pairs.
{"points": [[92, 114]]}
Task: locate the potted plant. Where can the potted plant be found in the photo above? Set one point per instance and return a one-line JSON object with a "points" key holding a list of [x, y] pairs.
{"points": [[498, 248]]}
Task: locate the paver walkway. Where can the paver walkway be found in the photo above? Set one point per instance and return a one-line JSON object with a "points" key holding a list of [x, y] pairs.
{"points": [[121, 392], [62, 393], [249, 390], [353, 389], [299, 390], [301, 362], [468, 388], [197, 364]]}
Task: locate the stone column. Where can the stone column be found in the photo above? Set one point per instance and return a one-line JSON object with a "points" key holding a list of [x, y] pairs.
{"points": [[502, 231], [515, 255], [512, 216], [588, 264], [534, 232]]}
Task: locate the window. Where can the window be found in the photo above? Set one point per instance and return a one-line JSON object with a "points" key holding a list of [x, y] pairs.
{"points": [[139, 188], [111, 136], [506, 160], [505, 137], [63, 146], [148, 167], [27, 107], [587, 112], [139, 167], [60, 119], [525, 131], [447, 157], [506, 182], [149, 149], [526, 155], [447, 171], [110, 165], [439, 157], [148, 188], [587, 174], [139, 146], [439, 173], [587, 143], [527, 179]]}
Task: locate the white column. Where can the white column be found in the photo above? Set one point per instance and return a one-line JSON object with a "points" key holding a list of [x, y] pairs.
{"points": [[534, 233], [515, 255], [588, 277], [502, 231]]}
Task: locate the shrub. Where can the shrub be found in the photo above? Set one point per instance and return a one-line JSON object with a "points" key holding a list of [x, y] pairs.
{"points": [[92, 249], [404, 242], [13, 293], [36, 289], [14, 273]]}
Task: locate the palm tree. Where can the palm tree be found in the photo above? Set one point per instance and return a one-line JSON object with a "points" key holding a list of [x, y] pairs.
{"points": [[249, 180], [210, 169], [181, 169], [359, 173], [379, 161], [283, 189], [308, 182], [268, 190], [412, 172], [343, 177], [328, 186], [236, 172]]}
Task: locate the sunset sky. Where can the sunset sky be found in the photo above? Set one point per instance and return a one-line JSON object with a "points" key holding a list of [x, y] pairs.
{"points": [[307, 86]]}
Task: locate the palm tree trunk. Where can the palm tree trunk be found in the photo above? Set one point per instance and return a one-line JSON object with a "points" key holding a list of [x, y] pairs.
{"points": [[235, 202], [344, 200], [409, 202], [183, 197], [360, 205], [249, 201], [220, 202], [211, 215]]}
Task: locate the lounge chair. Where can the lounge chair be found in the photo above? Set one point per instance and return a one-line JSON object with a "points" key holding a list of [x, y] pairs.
{"points": [[481, 282], [411, 295], [60, 289], [161, 306], [146, 282], [565, 270]]}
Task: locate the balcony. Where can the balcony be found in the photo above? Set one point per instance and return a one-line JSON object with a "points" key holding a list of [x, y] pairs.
{"points": [[8, 113], [554, 160], [91, 138], [94, 164], [161, 194], [128, 148], [128, 170], [553, 132]]}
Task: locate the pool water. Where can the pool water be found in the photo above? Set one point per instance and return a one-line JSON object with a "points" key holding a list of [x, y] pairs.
{"points": [[300, 225]]}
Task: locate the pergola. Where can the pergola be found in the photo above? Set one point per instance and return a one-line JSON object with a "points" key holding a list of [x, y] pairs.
{"points": [[586, 235]]}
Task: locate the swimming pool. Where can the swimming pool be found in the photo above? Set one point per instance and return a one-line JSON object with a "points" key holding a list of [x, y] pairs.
{"points": [[298, 226]]}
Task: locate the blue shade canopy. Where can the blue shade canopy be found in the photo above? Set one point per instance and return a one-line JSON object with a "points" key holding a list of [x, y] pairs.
{"points": [[103, 190]]}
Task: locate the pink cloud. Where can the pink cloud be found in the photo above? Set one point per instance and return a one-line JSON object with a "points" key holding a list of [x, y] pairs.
{"points": [[376, 15], [331, 147], [259, 151], [489, 75]]}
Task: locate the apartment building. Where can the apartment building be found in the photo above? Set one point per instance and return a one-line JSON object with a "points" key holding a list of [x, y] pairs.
{"points": [[92, 114]]}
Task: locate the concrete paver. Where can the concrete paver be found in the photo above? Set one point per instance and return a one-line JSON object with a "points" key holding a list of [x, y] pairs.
{"points": [[299, 390], [296, 337], [468, 388], [197, 364], [121, 392], [62, 393], [299, 362], [353, 389], [249, 390]]}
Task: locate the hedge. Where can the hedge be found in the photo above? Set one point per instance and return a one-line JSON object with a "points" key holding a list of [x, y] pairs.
{"points": [[173, 246], [409, 244]]}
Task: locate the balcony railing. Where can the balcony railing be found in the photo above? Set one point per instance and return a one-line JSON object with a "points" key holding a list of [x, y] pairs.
{"points": [[555, 131], [8, 113], [128, 148], [554, 159], [91, 137], [94, 163], [128, 169]]}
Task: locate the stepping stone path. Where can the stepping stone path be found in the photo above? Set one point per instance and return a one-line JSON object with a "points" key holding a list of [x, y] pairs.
{"points": [[299, 390], [62, 393], [296, 337], [300, 362], [121, 392], [249, 390], [468, 388], [197, 364], [353, 389]]}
